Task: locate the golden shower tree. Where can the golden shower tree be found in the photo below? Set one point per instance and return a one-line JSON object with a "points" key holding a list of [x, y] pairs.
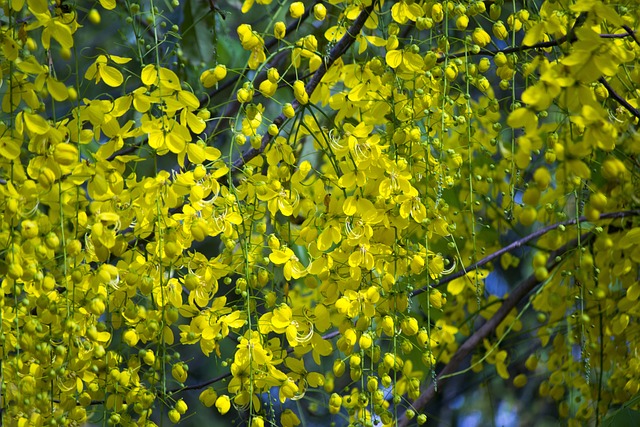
{"points": [[289, 210]]}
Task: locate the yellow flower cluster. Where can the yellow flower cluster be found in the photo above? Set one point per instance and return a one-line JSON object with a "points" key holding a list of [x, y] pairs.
{"points": [[356, 249]]}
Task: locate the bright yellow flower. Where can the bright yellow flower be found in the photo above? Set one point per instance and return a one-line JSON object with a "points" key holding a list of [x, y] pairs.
{"points": [[480, 37], [296, 9]]}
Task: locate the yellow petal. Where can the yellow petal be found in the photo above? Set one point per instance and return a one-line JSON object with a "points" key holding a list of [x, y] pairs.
{"points": [[57, 89], [456, 286], [175, 143], [169, 79], [36, 124], [108, 4], [223, 404], [280, 256], [10, 147], [149, 75], [188, 99], [394, 58], [196, 153], [110, 75]]}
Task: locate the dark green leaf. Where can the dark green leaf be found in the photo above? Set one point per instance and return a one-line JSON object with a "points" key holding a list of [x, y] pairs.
{"points": [[622, 418], [198, 36]]}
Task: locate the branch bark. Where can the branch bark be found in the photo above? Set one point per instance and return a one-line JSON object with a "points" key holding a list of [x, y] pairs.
{"points": [[515, 297], [519, 243]]}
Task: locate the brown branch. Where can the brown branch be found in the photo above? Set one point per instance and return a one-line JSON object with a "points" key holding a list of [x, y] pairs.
{"points": [[486, 329], [508, 304], [336, 52], [620, 100], [519, 243], [541, 45]]}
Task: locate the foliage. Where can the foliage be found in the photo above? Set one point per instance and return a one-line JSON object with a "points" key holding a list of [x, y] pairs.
{"points": [[322, 205]]}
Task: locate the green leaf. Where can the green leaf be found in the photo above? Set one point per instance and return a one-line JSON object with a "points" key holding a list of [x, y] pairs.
{"points": [[199, 40], [622, 417]]}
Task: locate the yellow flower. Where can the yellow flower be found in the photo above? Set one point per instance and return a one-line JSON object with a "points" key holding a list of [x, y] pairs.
{"points": [[300, 92], [289, 418], [500, 31], [293, 268], [100, 71], [288, 110], [296, 9], [174, 416], [248, 38], [268, 88], [480, 37], [279, 30], [319, 11], [437, 12], [223, 404], [462, 22]]}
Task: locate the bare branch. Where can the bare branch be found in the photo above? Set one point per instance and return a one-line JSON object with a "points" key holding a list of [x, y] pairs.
{"points": [[620, 100]]}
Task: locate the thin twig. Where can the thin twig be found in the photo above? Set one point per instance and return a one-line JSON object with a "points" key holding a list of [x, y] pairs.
{"points": [[631, 33], [620, 100], [521, 242]]}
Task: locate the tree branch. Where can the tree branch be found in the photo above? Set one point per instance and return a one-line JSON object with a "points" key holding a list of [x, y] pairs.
{"points": [[508, 304], [631, 33], [521, 242], [486, 329], [541, 45], [620, 100], [336, 52]]}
